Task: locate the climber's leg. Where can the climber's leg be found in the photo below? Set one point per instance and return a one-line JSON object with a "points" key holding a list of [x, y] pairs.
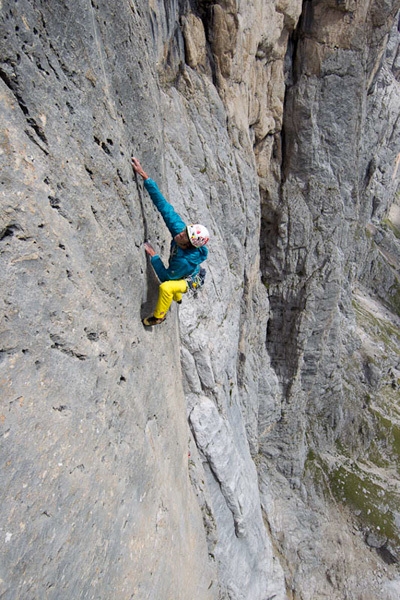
{"points": [[168, 291]]}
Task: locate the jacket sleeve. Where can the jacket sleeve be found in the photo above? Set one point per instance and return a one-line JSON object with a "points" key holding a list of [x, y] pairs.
{"points": [[164, 274], [172, 220]]}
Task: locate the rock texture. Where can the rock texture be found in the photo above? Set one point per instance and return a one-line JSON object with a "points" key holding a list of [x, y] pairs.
{"points": [[248, 448]]}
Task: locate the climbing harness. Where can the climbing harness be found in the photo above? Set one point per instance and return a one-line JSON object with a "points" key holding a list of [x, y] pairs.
{"points": [[196, 282]]}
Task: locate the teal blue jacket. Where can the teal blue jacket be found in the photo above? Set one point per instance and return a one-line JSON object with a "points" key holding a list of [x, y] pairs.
{"points": [[182, 263]]}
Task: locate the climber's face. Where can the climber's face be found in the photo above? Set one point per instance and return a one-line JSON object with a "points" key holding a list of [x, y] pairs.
{"points": [[182, 240]]}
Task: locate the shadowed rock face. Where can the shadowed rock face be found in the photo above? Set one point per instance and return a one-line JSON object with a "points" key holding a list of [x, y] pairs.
{"points": [[247, 448]]}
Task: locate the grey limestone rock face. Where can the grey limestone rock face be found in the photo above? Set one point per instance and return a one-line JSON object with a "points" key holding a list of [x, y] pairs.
{"points": [[247, 448], [96, 494]]}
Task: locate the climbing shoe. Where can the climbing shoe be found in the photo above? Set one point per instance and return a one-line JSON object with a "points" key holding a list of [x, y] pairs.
{"points": [[150, 321]]}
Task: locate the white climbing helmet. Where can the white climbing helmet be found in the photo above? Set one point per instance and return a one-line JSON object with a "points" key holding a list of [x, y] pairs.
{"points": [[198, 235]]}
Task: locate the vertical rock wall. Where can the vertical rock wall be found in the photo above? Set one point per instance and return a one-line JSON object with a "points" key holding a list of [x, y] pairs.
{"points": [[96, 493], [101, 471], [199, 459], [339, 176]]}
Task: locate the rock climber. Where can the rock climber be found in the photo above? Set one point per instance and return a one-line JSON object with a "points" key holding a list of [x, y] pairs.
{"points": [[187, 252]]}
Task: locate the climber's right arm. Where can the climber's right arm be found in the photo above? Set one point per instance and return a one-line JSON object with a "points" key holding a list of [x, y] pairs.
{"points": [[172, 220]]}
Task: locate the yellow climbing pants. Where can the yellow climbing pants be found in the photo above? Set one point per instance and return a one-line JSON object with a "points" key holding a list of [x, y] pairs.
{"points": [[168, 291]]}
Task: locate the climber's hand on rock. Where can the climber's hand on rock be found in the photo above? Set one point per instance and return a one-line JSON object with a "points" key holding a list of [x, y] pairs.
{"points": [[138, 168], [149, 249]]}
